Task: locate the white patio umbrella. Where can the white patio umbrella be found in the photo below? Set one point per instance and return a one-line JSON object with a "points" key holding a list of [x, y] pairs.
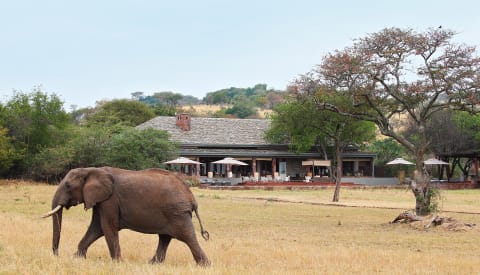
{"points": [[182, 160], [228, 162], [401, 173], [434, 161], [399, 161]]}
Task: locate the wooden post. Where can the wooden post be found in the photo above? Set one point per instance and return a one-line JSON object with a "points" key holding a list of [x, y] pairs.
{"points": [[197, 172], [274, 167], [476, 170]]}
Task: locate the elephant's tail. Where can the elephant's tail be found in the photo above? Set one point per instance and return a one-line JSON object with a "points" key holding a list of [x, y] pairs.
{"points": [[204, 233]]}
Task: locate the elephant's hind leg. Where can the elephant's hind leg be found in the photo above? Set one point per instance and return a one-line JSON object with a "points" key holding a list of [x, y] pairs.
{"points": [[163, 242], [189, 237]]}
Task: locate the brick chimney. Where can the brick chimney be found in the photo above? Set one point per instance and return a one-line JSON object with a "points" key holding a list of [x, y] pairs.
{"points": [[183, 121]]}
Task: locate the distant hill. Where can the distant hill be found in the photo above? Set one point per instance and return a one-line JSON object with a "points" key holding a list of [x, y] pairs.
{"points": [[206, 110], [252, 102], [259, 96]]}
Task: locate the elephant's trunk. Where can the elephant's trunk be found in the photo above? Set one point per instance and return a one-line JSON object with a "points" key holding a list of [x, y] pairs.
{"points": [[57, 212], [57, 228]]}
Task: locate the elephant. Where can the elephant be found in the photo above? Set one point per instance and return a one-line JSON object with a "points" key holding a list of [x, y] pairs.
{"points": [[151, 201]]}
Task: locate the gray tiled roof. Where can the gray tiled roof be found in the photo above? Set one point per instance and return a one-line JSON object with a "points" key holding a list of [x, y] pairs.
{"points": [[222, 131]]}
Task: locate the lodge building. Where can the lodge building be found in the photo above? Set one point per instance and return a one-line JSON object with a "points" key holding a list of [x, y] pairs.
{"points": [[210, 139]]}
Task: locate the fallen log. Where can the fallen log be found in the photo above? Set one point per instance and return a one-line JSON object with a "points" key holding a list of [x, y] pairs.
{"points": [[437, 220], [426, 222], [408, 217]]}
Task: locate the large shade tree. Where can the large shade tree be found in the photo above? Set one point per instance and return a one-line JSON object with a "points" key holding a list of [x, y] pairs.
{"points": [[398, 72], [299, 123]]}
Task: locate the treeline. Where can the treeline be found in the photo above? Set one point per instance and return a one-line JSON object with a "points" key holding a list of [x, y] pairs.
{"points": [[41, 141]]}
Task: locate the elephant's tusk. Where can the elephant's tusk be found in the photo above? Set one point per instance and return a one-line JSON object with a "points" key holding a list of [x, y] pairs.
{"points": [[55, 210]]}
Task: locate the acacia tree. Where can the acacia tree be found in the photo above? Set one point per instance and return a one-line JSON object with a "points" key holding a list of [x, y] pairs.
{"points": [[400, 72], [301, 125]]}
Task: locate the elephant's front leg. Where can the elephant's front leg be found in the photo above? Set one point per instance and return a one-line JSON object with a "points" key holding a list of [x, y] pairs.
{"points": [[163, 242], [93, 233], [109, 221]]}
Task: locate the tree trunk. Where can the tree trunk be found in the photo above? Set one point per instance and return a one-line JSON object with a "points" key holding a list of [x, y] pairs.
{"points": [[421, 189], [422, 199], [421, 184], [338, 178]]}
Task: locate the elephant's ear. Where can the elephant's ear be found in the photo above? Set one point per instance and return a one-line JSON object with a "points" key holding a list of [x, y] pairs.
{"points": [[97, 188]]}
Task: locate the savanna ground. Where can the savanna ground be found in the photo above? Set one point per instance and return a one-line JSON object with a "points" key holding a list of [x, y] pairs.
{"points": [[252, 232]]}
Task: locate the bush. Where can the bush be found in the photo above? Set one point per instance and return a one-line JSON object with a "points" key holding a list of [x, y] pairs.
{"points": [[51, 164], [136, 150]]}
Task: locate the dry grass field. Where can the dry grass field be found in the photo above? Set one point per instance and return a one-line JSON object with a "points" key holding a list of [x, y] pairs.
{"points": [[253, 232]]}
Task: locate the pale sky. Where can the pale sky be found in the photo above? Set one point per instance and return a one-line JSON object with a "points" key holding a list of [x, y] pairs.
{"points": [[85, 51]]}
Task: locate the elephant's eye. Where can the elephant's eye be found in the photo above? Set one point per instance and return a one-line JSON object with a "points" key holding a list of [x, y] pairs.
{"points": [[67, 184]]}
